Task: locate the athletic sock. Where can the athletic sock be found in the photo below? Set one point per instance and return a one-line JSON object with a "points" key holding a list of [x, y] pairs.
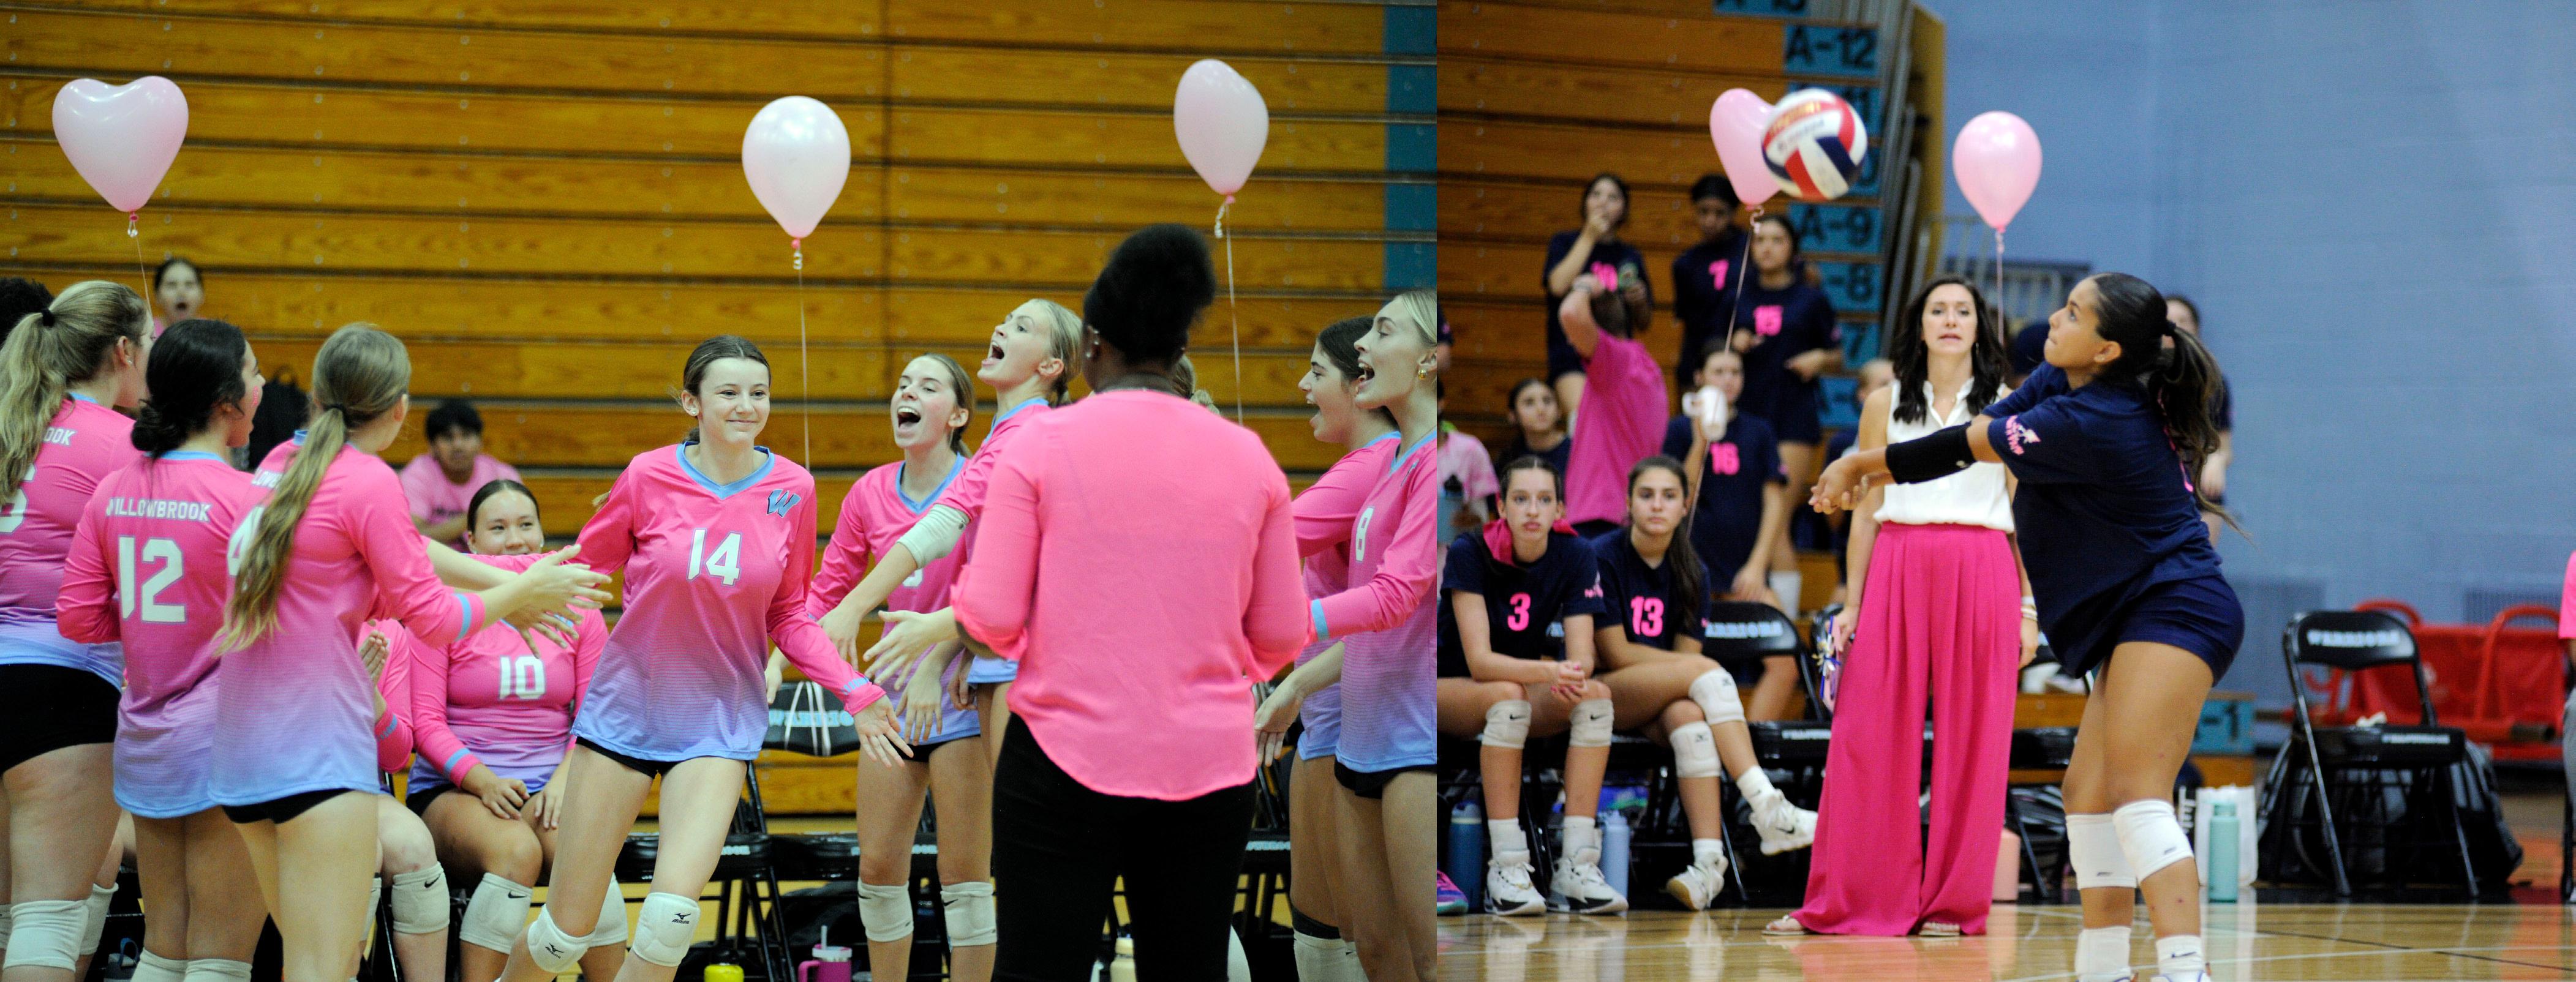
{"points": [[2178, 958], [1707, 852], [2102, 954], [1506, 835]]}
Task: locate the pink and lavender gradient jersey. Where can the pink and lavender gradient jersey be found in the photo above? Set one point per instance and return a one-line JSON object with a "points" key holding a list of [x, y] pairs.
{"points": [[873, 516], [714, 573], [294, 712], [1139, 560], [84, 444], [966, 493], [1388, 703], [145, 569], [1324, 515], [498, 699], [395, 736]]}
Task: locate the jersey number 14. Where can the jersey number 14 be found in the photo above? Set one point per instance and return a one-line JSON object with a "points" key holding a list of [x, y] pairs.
{"points": [[725, 563]]}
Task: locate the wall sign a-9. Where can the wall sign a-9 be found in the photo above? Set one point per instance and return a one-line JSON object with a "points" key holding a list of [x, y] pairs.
{"points": [[1837, 228]]}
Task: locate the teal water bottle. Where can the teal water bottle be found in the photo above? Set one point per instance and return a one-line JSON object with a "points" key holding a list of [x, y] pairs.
{"points": [[1467, 852], [1614, 850], [2222, 852]]}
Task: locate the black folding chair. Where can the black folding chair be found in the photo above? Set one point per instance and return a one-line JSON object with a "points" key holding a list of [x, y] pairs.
{"points": [[2360, 766], [1740, 637]]}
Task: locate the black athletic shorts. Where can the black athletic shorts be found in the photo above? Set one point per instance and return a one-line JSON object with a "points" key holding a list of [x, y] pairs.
{"points": [[282, 810], [1372, 784], [649, 768], [44, 708]]}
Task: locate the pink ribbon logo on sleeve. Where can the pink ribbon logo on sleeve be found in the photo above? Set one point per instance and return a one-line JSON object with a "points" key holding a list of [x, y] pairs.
{"points": [[2016, 434]]}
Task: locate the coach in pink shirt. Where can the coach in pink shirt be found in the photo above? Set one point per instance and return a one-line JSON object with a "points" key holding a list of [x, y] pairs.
{"points": [[441, 482], [1137, 558]]}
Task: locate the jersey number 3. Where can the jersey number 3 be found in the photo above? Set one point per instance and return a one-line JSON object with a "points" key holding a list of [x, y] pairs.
{"points": [[725, 563]]}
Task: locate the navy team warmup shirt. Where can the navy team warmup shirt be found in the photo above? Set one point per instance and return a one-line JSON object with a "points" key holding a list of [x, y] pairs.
{"points": [[1641, 598], [1786, 323], [1620, 257], [1523, 604], [1705, 279], [1728, 515], [2104, 510]]}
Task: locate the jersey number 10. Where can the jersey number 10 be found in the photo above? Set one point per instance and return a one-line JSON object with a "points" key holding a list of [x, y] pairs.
{"points": [[725, 563]]}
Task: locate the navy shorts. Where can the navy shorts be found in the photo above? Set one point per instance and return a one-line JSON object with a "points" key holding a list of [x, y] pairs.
{"points": [[2199, 615], [1801, 423], [50, 707]]}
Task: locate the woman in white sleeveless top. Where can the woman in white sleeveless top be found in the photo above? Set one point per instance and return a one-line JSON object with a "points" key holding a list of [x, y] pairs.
{"points": [[1938, 611]]}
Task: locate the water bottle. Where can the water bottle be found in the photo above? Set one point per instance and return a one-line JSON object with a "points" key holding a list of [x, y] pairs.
{"points": [[2222, 852], [1614, 850], [1467, 852], [1124, 968]]}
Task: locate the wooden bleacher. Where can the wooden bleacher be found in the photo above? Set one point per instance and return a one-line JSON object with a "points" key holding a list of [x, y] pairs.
{"points": [[546, 201]]}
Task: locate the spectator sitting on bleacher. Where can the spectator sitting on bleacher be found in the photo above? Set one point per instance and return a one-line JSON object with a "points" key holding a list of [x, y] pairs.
{"points": [[442, 482], [1740, 500], [1875, 374], [1515, 660], [1595, 250], [1706, 277], [178, 293], [1467, 484], [1538, 425], [1655, 597], [18, 298]]}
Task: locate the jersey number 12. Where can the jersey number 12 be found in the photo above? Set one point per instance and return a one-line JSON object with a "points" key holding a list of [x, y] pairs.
{"points": [[166, 553], [725, 563]]}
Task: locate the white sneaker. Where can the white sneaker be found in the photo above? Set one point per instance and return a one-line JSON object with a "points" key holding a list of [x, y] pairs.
{"points": [[1508, 890], [1784, 827], [1578, 878], [1697, 886]]}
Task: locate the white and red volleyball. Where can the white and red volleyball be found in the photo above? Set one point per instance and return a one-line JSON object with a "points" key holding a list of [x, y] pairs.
{"points": [[1814, 145]]}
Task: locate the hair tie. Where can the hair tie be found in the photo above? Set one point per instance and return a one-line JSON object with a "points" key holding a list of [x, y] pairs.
{"points": [[46, 317], [336, 407]]}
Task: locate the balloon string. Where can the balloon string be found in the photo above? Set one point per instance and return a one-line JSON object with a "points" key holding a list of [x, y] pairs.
{"points": [[1999, 274], [804, 359], [137, 236], [1737, 298], [1232, 312]]}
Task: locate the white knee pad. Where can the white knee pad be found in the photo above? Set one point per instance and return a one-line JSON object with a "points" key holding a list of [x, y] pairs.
{"points": [[665, 928], [4, 920], [47, 933], [1715, 693], [1507, 724], [2150, 836], [886, 911], [2094, 850], [154, 968], [420, 901], [1694, 751], [550, 947], [1591, 724], [217, 970], [968, 908], [611, 928], [496, 914], [99, 899]]}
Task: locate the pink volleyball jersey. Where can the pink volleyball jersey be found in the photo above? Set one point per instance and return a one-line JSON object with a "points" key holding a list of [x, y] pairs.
{"points": [[84, 444], [966, 494], [1621, 422], [873, 516], [714, 573], [394, 732], [1387, 660], [1139, 560], [1324, 514], [294, 713], [146, 569], [498, 698]]}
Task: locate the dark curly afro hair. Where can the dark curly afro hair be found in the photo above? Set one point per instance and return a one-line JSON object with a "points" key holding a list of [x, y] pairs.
{"points": [[1151, 291]]}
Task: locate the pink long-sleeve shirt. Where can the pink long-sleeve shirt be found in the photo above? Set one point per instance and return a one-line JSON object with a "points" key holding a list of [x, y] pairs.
{"points": [[499, 699], [874, 515], [1323, 519], [1138, 559], [127, 579], [84, 443], [294, 713], [1391, 583], [714, 574]]}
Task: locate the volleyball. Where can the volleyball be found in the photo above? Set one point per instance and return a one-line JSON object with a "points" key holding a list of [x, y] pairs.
{"points": [[1814, 145]]}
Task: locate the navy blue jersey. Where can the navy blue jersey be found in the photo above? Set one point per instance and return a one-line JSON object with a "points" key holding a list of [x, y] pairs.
{"points": [[1555, 456], [1619, 256], [1525, 606], [1785, 323], [1705, 279], [1642, 598], [2030, 347], [1727, 518], [2104, 509]]}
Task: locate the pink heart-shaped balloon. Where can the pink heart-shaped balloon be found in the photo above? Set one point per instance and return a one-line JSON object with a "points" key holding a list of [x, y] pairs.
{"points": [[1222, 124], [796, 154], [121, 138], [1735, 125]]}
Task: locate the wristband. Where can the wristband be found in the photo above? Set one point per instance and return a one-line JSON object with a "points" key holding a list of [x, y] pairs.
{"points": [[1930, 458], [2029, 608]]}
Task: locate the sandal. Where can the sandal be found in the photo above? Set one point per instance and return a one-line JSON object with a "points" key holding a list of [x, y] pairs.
{"points": [[1937, 929], [1786, 926]]}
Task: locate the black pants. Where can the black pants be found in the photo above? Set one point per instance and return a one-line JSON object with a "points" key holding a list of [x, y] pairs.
{"points": [[1059, 848]]}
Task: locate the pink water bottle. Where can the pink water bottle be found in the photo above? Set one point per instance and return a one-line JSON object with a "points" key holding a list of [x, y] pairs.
{"points": [[834, 961]]}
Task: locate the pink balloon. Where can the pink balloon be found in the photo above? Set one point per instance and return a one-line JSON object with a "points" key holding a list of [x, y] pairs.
{"points": [[1222, 124], [121, 138], [796, 156], [1735, 124], [1997, 160]]}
